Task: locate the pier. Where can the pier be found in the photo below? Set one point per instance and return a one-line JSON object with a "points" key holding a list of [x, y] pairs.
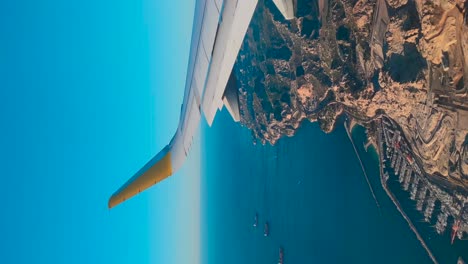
{"points": [[412, 178], [362, 166], [398, 206]]}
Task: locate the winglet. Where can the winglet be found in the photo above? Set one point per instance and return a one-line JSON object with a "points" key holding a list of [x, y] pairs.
{"points": [[156, 170]]}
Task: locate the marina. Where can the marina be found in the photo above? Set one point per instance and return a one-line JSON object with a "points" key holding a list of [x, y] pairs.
{"points": [[421, 189]]}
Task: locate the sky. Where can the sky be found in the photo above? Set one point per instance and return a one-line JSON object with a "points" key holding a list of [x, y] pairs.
{"points": [[90, 91]]}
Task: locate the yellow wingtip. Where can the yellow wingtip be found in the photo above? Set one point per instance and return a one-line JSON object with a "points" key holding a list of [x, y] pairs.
{"points": [[156, 170]]}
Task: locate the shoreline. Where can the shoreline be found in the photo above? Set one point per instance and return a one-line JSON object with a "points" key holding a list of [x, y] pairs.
{"points": [[397, 204], [353, 124], [389, 193]]}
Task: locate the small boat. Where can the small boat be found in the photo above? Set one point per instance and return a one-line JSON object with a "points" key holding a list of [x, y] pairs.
{"points": [[266, 230], [281, 256], [255, 220]]}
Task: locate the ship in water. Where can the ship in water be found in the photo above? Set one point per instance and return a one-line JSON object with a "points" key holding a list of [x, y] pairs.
{"points": [[266, 229], [281, 256]]}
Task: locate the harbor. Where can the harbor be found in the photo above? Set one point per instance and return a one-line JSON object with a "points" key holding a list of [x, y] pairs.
{"points": [[393, 147]]}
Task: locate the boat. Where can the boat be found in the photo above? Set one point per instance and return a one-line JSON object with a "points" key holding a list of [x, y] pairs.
{"points": [[255, 220], [281, 256], [266, 230]]}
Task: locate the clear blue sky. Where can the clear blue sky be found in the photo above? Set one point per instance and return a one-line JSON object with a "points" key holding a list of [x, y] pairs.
{"points": [[90, 90]]}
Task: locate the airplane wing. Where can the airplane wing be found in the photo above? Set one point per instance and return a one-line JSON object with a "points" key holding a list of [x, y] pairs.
{"points": [[218, 32]]}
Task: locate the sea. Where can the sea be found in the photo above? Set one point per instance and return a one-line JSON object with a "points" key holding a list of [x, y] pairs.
{"points": [[311, 190]]}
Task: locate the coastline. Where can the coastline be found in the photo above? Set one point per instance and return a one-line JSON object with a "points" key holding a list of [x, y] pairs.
{"points": [[354, 124], [389, 193]]}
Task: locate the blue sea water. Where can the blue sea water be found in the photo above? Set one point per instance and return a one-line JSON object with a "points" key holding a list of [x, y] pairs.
{"points": [[311, 190]]}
